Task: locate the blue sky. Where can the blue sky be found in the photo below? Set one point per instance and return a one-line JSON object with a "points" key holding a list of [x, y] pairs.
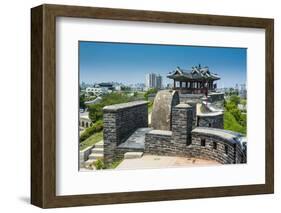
{"points": [[128, 63]]}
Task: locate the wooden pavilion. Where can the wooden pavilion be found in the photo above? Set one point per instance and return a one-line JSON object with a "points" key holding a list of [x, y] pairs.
{"points": [[199, 80]]}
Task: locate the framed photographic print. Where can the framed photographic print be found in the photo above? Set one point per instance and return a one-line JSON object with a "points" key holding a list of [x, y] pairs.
{"points": [[137, 106]]}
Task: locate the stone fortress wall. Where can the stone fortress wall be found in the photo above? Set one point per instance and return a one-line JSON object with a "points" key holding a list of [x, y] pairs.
{"points": [[213, 97], [120, 121], [219, 145], [211, 119], [176, 136]]}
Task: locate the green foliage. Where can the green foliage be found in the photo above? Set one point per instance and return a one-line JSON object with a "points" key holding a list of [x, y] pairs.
{"points": [[97, 127], [235, 99], [95, 112], [99, 164], [93, 139], [243, 101], [231, 91], [114, 164], [150, 106], [230, 123], [233, 118], [81, 101], [125, 88], [150, 91]]}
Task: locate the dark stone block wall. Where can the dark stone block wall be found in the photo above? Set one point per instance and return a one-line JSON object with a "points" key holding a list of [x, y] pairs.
{"points": [[213, 97], [158, 142], [120, 121], [172, 143], [213, 120], [182, 117], [233, 155]]}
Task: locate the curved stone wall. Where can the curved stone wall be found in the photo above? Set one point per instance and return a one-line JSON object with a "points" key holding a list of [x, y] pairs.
{"points": [[164, 101], [210, 119], [213, 97], [216, 144]]}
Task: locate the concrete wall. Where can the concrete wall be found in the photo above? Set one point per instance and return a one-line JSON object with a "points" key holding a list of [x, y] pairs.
{"points": [[120, 121]]}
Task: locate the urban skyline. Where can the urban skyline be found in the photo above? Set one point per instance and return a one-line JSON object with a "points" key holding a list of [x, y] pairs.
{"points": [[129, 63]]}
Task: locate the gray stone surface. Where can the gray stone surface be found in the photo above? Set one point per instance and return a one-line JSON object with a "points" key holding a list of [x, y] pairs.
{"points": [[215, 96], [211, 119], [83, 155], [120, 121], [190, 97], [162, 109], [133, 155], [182, 118], [222, 140], [136, 140]]}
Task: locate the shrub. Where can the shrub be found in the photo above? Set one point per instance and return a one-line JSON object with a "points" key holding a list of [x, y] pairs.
{"points": [[99, 164], [97, 127]]}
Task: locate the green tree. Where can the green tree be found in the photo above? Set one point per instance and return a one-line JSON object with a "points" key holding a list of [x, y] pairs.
{"points": [[82, 101], [150, 91], [235, 99], [95, 112]]}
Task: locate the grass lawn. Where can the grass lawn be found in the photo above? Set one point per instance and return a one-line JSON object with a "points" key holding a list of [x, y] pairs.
{"points": [[91, 140], [230, 123]]}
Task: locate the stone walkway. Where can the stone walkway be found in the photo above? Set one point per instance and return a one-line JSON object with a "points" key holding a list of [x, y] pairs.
{"points": [[155, 162], [136, 140]]}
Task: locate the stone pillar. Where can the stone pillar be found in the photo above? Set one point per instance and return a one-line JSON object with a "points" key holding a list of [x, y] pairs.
{"points": [[110, 137], [182, 117]]}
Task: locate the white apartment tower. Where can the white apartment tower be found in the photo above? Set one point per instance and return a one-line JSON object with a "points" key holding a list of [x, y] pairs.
{"points": [[153, 81]]}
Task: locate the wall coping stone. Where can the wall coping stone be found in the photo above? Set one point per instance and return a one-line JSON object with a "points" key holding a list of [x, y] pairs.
{"points": [[232, 137], [160, 132], [183, 106], [118, 107], [210, 114], [216, 93]]}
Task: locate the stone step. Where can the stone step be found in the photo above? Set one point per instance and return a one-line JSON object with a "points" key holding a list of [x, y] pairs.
{"points": [[99, 144], [96, 156], [97, 150], [133, 155], [89, 164]]}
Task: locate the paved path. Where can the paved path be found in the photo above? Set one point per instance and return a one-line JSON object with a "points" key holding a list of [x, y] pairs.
{"points": [[153, 161]]}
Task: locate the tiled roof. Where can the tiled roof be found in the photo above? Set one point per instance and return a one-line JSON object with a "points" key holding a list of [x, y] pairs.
{"points": [[197, 73]]}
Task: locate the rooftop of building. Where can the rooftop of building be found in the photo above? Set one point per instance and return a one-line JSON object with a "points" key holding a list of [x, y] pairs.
{"points": [[197, 73]]}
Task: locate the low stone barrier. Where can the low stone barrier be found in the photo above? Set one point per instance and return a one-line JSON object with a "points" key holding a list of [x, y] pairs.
{"points": [[216, 144], [120, 121], [83, 155], [211, 119], [213, 97]]}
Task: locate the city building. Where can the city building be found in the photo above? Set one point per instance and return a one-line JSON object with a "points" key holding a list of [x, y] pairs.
{"points": [[153, 81], [199, 80], [97, 91], [243, 91]]}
